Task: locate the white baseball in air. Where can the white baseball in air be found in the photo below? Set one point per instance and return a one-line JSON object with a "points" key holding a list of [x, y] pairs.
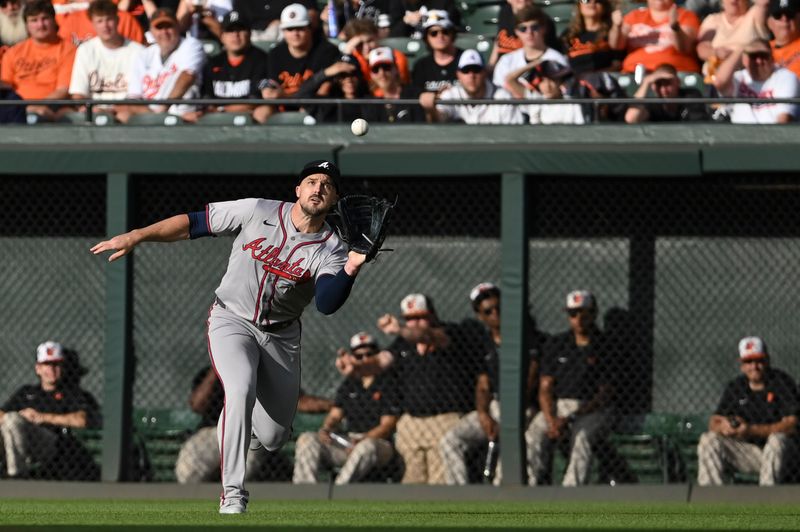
{"points": [[359, 127]]}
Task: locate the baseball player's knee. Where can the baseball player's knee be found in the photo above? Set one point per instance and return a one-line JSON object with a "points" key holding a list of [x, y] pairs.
{"points": [[307, 441], [13, 419], [450, 443], [276, 439], [777, 442]]}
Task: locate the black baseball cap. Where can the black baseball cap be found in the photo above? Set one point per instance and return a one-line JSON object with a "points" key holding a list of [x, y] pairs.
{"points": [[234, 21], [321, 166], [779, 7]]}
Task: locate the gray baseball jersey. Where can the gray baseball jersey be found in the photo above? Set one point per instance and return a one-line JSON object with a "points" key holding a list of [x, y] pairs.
{"points": [[272, 267], [253, 327]]}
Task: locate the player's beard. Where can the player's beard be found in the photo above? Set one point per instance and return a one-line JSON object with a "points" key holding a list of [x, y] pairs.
{"points": [[314, 211]]}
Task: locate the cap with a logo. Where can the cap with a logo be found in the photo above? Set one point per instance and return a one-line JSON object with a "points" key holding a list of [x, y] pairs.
{"points": [[778, 7], [470, 58], [362, 339], [580, 299], [162, 15], [294, 16], [483, 290], [752, 348], [49, 353], [382, 55], [234, 21], [416, 305], [320, 166], [437, 17]]}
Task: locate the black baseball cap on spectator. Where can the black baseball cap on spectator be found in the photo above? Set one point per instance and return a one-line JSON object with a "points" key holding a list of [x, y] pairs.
{"points": [[234, 21], [779, 7], [321, 166]]}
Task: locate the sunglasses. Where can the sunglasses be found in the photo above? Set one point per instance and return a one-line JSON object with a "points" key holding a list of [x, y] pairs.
{"points": [[781, 14], [361, 356], [471, 69], [590, 1], [525, 28], [490, 310], [300, 28], [759, 55], [436, 33], [164, 26], [386, 67]]}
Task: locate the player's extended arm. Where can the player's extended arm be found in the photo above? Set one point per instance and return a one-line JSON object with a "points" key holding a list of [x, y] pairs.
{"points": [[168, 230], [787, 425], [75, 419], [331, 291]]}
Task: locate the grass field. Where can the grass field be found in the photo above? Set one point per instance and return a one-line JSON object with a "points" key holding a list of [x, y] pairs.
{"points": [[367, 515]]}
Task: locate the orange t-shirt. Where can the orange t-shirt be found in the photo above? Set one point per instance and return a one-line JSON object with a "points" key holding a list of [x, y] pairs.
{"points": [[652, 43], [77, 27], [787, 56], [36, 70]]}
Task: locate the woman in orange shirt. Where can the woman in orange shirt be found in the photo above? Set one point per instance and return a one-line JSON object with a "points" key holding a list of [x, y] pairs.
{"points": [[659, 33]]}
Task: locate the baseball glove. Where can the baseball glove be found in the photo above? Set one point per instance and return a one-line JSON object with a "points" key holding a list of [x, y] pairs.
{"points": [[363, 223]]}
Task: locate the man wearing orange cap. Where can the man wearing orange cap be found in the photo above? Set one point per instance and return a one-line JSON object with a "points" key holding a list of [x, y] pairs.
{"points": [[34, 420], [753, 429]]}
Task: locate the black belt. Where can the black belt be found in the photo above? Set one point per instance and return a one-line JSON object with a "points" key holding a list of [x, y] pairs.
{"points": [[271, 328]]}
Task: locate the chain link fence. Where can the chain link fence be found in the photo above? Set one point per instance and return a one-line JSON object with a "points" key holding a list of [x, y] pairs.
{"points": [[681, 271]]}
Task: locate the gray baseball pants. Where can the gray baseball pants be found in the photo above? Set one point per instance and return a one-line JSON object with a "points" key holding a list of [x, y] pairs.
{"points": [[311, 454], [199, 458], [585, 431], [260, 374], [718, 454]]}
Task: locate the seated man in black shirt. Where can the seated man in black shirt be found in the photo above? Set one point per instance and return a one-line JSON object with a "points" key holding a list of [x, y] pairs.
{"points": [[481, 426], [299, 56], [34, 419], [370, 406], [663, 82], [574, 395], [437, 366], [199, 458], [240, 71], [754, 428]]}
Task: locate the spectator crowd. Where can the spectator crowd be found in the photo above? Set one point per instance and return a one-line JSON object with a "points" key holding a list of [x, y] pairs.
{"points": [[273, 50]]}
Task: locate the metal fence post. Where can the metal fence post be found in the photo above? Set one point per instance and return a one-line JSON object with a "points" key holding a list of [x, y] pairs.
{"points": [[117, 389], [514, 306]]}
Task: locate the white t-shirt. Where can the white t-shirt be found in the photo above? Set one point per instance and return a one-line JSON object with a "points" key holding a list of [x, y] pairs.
{"points": [[478, 114], [102, 73], [152, 79], [516, 59], [781, 84], [557, 113]]}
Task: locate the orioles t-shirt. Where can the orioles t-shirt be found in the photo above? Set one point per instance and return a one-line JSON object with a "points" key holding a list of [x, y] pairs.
{"points": [[101, 73], [36, 70], [653, 43], [290, 72]]}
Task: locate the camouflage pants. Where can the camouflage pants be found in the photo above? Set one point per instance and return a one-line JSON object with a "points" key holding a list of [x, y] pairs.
{"points": [[584, 432], [198, 459], [25, 443], [311, 455], [718, 454]]}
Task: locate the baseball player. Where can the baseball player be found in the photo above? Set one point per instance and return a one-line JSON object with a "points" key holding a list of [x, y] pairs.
{"points": [[284, 254]]}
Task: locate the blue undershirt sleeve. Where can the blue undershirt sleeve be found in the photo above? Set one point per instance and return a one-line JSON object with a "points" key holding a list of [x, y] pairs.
{"points": [[331, 291], [198, 225]]}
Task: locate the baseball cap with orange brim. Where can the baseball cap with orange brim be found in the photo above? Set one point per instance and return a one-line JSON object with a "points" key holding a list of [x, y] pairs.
{"points": [[162, 16], [752, 348]]}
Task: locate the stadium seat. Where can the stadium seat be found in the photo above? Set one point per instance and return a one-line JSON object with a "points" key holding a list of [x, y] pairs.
{"points": [[75, 117], [481, 18], [226, 119], [693, 80], [211, 47], [155, 119], [291, 118], [163, 431], [560, 12], [481, 43], [266, 46], [104, 119], [413, 48], [685, 438]]}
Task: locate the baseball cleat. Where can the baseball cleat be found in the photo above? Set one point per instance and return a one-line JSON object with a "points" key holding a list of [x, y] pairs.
{"points": [[234, 506]]}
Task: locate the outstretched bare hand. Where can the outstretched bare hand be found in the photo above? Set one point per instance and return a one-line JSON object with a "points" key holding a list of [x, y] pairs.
{"points": [[122, 244]]}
